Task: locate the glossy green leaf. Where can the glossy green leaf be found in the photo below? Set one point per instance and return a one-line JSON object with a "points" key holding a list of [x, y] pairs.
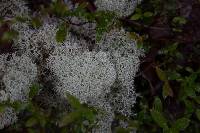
{"points": [[197, 99], [148, 14], [173, 75], [136, 17], [157, 105], [181, 124], [179, 20], [122, 130], [134, 124], [189, 106], [198, 114], [170, 130], [31, 130], [31, 122], [88, 114], [70, 118], [161, 74], [138, 10], [73, 101], [159, 119], [167, 91]]}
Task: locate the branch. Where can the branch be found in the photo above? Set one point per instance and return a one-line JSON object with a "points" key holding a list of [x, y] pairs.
{"points": [[134, 23]]}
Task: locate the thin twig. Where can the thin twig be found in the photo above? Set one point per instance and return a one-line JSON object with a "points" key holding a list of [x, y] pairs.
{"points": [[134, 23]]}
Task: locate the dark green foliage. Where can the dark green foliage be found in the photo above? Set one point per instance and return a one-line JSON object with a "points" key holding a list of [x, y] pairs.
{"points": [[35, 119], [169, 81]]}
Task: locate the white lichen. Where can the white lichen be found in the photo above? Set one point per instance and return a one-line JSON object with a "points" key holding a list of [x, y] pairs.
{"points": [[37, 42], [17, 75], [125, 55], [83, 27], [87, 75], [103, 77], [106, 117], [13, 8], [31, 40], [120, 7], [7, 117]]}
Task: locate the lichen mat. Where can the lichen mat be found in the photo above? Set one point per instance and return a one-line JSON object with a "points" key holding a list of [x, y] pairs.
{"points": [[102, 77]]}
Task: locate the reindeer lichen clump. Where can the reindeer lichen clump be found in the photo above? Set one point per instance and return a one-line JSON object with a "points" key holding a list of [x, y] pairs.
{"points": [[120, 7], [17, 75], [87, 75], [124, 54], [101, 76]]}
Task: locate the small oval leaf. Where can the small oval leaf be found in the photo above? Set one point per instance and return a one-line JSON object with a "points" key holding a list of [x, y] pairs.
{"points": [[159, 119]]}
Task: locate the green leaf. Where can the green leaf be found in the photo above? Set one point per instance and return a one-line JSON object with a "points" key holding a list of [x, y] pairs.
{"points": [[171, 130], [1, 20], [34, 90], [88, 114], [181, 124], [18, 106], [70, 118], [73, 101], [9, 35], [159, 119], [189, 85], [189, 69], [189, 91], [189, 106], [31, 122], [161, 74], [61, 33], [173, 75], [64, 130], [148, 14], [59, 8], [197, 88], [42, 120], [134, 124], [103, 22], [2, 108], [122, 130], [197, 99], [198, 113], [167, 91], [138, 10], [21, 19], [179, 20], [136, 17], [36, 22], [31, 130], [157, 105]]}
